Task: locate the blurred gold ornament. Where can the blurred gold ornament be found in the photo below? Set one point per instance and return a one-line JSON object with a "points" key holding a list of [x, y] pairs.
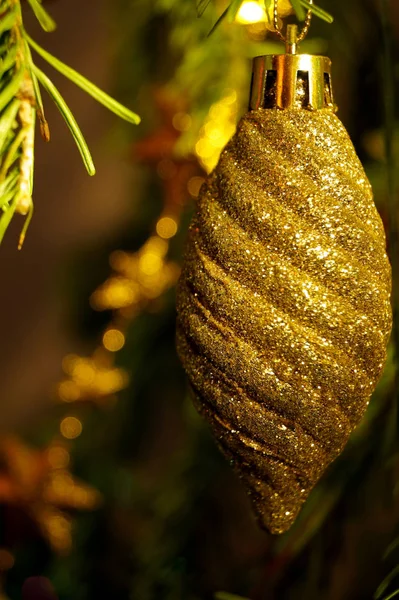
{"points": [[284, 299], [38, 482]]}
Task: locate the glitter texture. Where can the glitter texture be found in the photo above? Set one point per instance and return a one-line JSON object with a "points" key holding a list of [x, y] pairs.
{"points": [[284, 303]]}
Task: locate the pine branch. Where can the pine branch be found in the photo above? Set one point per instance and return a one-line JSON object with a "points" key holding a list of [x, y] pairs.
{"points": [[21, 102]]}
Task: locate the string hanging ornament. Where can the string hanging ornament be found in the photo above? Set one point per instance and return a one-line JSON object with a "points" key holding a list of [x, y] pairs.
{"points": [[284, 298]]}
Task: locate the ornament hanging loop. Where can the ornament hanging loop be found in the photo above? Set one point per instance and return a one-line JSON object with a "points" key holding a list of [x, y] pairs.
{"points": [[291, 41], [292, 38], [292, 81]]}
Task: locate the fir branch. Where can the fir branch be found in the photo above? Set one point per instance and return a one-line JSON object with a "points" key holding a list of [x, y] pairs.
{"points": [[21, 102]]}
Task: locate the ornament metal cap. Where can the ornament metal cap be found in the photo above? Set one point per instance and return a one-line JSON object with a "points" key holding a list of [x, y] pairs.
{"points": [[292, 81]]}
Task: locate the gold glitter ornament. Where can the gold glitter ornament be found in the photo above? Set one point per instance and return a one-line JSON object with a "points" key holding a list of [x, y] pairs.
{"points": [[284, 298]]}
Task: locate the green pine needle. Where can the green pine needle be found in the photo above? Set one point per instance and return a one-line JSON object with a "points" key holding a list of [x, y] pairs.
{"points": [[7, 196], [8, 183], [219, 21], [9, 61], [8, 21], [86, 85], [392, 595], [299, 11], [234, 7], [7, 216], [202, 5], [385, 584], [45, 20], [69, 119], [11, 90], [25, 227], [317, 11], [38, 96], [7, 121], [11, 154]]}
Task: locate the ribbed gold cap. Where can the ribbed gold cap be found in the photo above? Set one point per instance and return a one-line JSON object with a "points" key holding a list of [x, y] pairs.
{"points": [[292, 81]]}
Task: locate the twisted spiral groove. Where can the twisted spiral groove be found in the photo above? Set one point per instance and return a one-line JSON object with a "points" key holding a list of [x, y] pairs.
{"points": [[284, 303]]}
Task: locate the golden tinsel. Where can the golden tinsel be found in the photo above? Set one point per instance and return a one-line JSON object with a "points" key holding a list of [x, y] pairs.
{"points": [[284, 303]]}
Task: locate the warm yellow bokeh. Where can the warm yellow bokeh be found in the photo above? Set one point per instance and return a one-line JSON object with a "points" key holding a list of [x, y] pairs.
{"points": [[166, 227], [71, 428], [251, 12], [113, 340]]}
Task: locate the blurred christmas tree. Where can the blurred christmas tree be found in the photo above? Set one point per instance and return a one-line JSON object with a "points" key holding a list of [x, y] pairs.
{"points": [[152, 510]]}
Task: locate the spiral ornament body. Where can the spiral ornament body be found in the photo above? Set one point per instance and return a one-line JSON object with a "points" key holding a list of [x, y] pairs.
{"points": [[284, 303]]}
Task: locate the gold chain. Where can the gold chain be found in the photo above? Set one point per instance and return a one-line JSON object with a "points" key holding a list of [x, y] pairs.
{"points": [[304, 31]]}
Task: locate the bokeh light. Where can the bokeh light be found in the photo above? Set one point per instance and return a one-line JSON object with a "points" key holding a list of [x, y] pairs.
{"points": [[166, 227], [71, 428], [251, 12], [113, 340]]}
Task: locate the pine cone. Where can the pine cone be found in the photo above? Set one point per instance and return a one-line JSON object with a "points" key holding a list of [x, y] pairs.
{"points": [[284, 303]]}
